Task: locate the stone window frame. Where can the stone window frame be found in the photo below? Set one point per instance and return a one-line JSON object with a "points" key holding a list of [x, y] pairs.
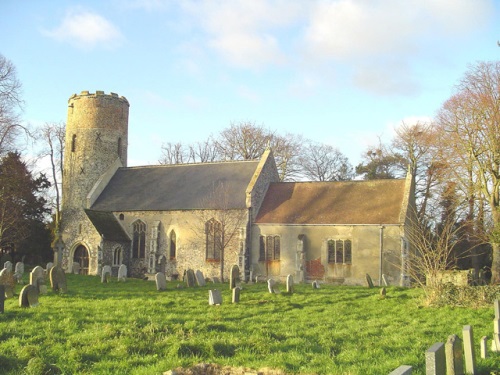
{"points": [[339, 251], [139, 228], [213, 240], [267, 242], [119, 147], [172, 245], [117, 256], [73, 143]]}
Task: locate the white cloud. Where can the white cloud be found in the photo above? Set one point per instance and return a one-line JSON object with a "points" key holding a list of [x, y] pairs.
{"points": [[85, 29]]}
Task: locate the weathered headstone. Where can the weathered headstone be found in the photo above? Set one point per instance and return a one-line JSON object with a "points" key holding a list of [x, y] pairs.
{"points": [[76, 268], [106, 274], [8, 265], [214, 297], [402, 370], [435, 362], [8, 281], [37, 278], [49, 266], [161, 281], [200, 280], [190, 278], [495, 343], [483, 346], [215, 280], [2, 298], [236, 295], [384, 280], [122, 272], [58, 279], [469, 354], [289, 284], [19, 272], [234, 276], [454, 355], [369, 281], [28, 296], [315, 284], [383, 292], [270, 285]]}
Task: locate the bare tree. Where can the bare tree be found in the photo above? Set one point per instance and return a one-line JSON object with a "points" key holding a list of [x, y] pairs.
{"points": [[287, 150], [204, 152], [322, 162], [243, 141], [174, 153]]}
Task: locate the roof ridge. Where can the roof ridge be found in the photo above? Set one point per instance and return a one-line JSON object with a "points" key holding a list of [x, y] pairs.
{"points": [[191, 164]]}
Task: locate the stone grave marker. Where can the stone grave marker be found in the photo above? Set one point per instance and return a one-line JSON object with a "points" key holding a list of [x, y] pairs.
{"points": [[161, 281], [200, 280], [470, 356], [495, 344], [190, 278], [236, 295], [106, 274], [19, 272], [28, 296], [215, 280], [484, 347], [49, 266], [369, 281], [435, 362], [37, 278], [315, 284], [384, 280], [402, 370], [7, 280], [234, 276], [214, 297], [58, 279], [289, 284], [8, 265], [122, 273], [383, 292], [454, 355], [2, 298], [270, 285]]}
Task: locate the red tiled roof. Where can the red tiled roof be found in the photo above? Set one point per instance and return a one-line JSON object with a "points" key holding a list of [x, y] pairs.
{"points": [[349, 202]]}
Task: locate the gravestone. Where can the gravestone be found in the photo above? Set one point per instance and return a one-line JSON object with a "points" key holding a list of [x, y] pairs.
{"points": [[384, 280], [289, 284], [214, 297], [383, 292], [37, 278], [369, 281], [454, 355], [402, 370], [106, 274], [161, 281], [495, 344], [483, 346], [234, 276], [236, 295], [28, 296], [49, 266], [215, 280], [19, 272], [315, 284], [7, 280], [200, 280], [2, 298], [469, 354], [190, 278], [76, 268], [8, 265], [58, 279], [270, 285], [122, 273], [435, 362]]}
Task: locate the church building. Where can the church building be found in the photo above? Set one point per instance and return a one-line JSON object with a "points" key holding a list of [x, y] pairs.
{"points": [[210, 216]]}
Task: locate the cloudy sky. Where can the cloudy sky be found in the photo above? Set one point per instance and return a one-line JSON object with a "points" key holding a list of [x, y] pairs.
{"points": [[342, 72]]}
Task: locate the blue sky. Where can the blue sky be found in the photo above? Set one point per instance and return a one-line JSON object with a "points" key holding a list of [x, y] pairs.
{"points": [[342, 72]]}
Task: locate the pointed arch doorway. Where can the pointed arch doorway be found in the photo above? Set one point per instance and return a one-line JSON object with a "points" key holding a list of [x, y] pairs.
{"points": [[81, 256]]}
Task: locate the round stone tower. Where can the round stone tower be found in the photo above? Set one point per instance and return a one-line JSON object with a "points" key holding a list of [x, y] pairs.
{"points": [[96, 145]]}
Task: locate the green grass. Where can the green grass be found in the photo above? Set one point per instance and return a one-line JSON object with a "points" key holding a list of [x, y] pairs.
{"points": [[131, 328]]}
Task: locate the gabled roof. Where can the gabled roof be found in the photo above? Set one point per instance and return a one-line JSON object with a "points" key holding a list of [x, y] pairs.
{"points": [[107, 225], [176, 187], [349, 202]]}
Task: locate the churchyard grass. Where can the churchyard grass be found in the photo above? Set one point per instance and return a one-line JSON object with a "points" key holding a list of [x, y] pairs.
{"points": [[131, 328]]}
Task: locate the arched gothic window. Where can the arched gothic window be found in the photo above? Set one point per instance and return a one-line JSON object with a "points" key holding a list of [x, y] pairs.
{"points": [[117, 256], [139, 240], [173, 244], [213, 232], [269, 248]]}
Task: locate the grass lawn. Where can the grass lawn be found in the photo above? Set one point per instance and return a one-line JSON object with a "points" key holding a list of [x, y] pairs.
{"points": [[131, 328]]}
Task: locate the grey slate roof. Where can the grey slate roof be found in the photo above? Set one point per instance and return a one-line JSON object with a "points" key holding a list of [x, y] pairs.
{"points": [[176, 187], [107, 225]]}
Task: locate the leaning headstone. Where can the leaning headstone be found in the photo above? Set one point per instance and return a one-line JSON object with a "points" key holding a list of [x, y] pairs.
{"points": [[58, 279], [28, 296], [19, 272], [234, 276], [402, 370], [214, 297], [270, 285], [200, 280], [76, 268], [2, 298], [37, 278], [435, 362], [122, 273], [315, 284], [236, 295], [289, 284], [8, 265], [215, 280], [7, 280], [483, 346], [454, 355], [369, 281], [161, 281], [470, 356], [190, 278], [106, 274]]}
